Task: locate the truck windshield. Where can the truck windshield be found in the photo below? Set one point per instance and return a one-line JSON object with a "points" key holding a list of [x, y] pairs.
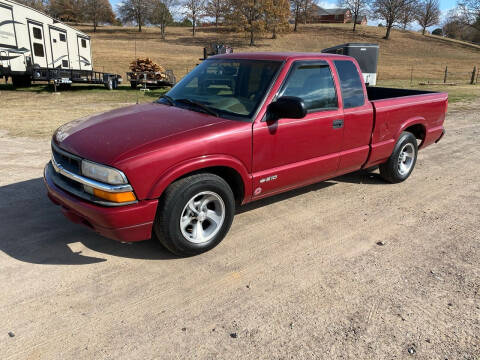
{"points": [[227, 87]]}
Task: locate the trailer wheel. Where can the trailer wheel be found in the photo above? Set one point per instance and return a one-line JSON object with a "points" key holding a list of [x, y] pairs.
{"points": [[21, 81], [109, 84], [133, 84]]}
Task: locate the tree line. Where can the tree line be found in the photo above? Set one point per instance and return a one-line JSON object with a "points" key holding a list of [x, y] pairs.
{"points": [[257, 17]]}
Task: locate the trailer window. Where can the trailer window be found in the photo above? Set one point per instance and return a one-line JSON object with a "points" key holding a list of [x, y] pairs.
{"points": [[37, 33], [38, 50], [65, 63], [352, 89], [313, 83], [84, 43], [63, 37]]}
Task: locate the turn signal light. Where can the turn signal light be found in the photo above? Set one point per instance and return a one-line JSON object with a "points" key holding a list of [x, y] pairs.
{"points": [[114, 197]]}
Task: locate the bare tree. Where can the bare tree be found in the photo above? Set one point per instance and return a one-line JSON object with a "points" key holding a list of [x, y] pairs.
{"points": [[407, 15], [356, 7], [161, 14], [194, 10], [216, 9], [134, 10], [390, 11], [36, 4], [469, 10], [428, 14], [296, 6], [306, 8], [98, 11]]}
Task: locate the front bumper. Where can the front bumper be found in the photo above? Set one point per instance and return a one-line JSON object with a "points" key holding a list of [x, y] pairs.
{"points": [[123, 223]]}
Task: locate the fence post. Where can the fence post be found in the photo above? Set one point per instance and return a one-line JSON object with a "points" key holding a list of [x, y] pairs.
{"points": [[411, 77], [472, 80], [446, 74]]}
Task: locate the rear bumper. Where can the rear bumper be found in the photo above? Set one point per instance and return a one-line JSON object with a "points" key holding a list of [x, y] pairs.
{"points": [[123, 223]]}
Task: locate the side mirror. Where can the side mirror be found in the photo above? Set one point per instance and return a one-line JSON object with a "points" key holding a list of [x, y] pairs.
{"points": [[290, 107]]}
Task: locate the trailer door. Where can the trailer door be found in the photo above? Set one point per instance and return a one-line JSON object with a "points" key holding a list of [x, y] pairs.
{"points": [[59, 43], [84, 54], [37, 44]]}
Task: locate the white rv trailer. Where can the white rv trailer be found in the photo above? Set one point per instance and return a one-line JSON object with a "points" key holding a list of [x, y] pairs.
{"points": [[35, 46]]}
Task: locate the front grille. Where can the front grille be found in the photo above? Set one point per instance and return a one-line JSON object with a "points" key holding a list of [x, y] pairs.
{"points": [[70, 163]]}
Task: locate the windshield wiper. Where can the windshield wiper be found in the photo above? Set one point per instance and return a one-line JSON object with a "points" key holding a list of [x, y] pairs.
{"points": [[169, 99], [199, 105]]}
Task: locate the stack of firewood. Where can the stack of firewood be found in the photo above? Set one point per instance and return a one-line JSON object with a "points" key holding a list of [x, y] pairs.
{"points": [[146, 65]]}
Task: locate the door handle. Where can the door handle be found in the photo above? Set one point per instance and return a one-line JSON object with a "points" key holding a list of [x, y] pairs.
{"points": [[337, 124]]}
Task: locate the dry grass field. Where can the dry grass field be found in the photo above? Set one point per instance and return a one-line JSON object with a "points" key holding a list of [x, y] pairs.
{"points": [[114, 48]]}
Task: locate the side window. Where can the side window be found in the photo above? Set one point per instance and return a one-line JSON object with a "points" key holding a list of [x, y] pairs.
{"points": [[352, 89], [37, 33], [38, 50], [63, 37], [84, 43], [65, 63], [314, 84]]}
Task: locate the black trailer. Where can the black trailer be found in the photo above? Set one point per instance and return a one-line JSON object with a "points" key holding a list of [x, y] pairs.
{"points": [[365, 54]]}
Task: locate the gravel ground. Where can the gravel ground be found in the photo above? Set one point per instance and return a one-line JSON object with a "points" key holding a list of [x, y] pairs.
{"points": [[351, 268]]}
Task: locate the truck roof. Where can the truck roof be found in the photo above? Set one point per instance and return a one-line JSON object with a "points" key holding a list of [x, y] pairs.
{"points": [[281, 56]]}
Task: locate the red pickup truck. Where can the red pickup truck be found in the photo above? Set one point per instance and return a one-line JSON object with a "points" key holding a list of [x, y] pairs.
{"points": [[238, 128]]}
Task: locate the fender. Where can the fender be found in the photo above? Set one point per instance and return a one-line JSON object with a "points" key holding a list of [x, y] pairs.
{"points": [[381, 151], [199, 163], [417, 120]]}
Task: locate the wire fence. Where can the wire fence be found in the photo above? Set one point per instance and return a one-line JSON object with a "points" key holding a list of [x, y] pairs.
{"points": [[439, 75]]}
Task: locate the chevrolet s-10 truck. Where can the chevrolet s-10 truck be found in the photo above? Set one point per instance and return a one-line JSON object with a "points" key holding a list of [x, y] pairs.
{"points": [[238, 128]]}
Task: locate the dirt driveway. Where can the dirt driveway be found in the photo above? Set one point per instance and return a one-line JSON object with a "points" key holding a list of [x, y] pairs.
{"points": [[352, 268]]}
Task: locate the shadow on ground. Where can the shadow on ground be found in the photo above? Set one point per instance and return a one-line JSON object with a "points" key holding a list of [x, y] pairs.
{"points": [[35, 231]]}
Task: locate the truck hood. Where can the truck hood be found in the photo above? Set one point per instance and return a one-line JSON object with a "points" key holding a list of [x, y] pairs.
{"points": [[104, 138]]}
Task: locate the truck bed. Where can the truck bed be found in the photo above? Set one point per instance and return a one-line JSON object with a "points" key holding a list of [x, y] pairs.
{"points": [[395, 110], [381, 93]]}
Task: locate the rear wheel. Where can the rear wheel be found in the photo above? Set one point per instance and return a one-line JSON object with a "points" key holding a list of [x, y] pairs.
{"points": [[402, 161], [195, 214]]}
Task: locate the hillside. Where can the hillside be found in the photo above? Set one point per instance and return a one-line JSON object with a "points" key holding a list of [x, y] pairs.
{"points": [[114, 48]]}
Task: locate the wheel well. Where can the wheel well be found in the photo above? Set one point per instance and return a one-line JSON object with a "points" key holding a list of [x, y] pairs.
{"points": [[418, 130], [231, 176]]}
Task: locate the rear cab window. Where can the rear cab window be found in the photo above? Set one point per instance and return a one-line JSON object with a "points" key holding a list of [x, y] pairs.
{"points": [[312, 81], [350, 84]]}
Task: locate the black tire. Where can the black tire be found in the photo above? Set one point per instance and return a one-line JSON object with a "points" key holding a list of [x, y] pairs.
{"points": [[20, 81], [173, 204], [391, 171], [133, 84]]}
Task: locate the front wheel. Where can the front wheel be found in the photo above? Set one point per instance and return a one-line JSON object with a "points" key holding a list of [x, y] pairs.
{"points": [[195, 214], [402, 161]]}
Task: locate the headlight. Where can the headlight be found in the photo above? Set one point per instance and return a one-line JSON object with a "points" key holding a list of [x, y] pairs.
{"points": [[103, 173]]}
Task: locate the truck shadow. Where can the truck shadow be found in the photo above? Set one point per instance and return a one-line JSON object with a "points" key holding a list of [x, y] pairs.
{"points": [[35, 231]]}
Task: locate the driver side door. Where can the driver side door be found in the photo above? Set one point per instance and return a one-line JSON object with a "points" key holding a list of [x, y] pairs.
{"points": [[289, 153]]}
